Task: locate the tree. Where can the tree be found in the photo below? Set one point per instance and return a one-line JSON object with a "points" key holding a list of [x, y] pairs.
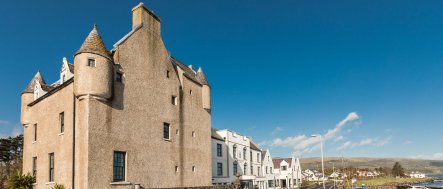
{"points": [[398, 170], [11, 151], [21, 181]]}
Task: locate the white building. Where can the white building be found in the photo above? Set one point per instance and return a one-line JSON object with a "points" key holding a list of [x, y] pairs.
{"points": [[287, 172], [233, 153], [268, 169], [417, 175]]}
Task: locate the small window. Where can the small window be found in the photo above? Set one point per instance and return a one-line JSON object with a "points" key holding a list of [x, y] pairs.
{"points": [[219, 169], [63, 78], [234, 151], [235, 168], [284, 168], [35, 132], [166, 131], [119, 77], [167, 73], [176, 169], [34, 166], [219, 150], [193, 133], [258, 157], [119, 166], [51, 167], [174, 100], [91, 62], [177, 132], [193, 168], [190, 92], [62, 122]]}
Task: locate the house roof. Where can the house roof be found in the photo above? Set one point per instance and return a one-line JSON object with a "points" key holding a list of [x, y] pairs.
{"points": [[277, 162], [254, 146], [215, 135], [189, 73], [37, 77], [71, 67], [94, 44], [201, 77]]}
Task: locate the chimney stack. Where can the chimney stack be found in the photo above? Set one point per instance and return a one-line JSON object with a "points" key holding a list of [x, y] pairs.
{"points": [[142, 15]]}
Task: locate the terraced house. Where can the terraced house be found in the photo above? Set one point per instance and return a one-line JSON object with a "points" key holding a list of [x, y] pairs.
{"points": [[132, 116]]}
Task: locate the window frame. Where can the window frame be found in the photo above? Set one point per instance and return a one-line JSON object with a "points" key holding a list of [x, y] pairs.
{"points": [[235, 167], [174, 100], [119, 77], [92, 63], [219, 150], [61, 118], [51, 167], [35, 132], [116, 175], [34, 166], [166, 126], [219, 169]]}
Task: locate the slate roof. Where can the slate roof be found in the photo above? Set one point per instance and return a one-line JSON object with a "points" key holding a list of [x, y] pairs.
{"points": [[189, 73], [254, 146], [277, 162], [201, 77], [71, 67], [215, 135], [94, 44], [38, 77]]}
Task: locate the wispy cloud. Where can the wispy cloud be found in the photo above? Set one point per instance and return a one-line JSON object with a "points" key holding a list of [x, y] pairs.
{"points": [[365, 142], [436, 156], [304, 144], [4, 122], [276, 130]]}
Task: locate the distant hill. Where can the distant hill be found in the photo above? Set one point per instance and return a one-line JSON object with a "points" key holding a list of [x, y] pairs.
{"points": [[425, 166]]}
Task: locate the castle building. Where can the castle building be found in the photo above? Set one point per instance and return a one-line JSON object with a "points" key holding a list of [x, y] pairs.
{"points": [[132, 116]]}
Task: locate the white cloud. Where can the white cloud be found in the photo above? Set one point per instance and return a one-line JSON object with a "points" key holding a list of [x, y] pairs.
{"points": [[436, 156], [305, 144], [339, 138], [16, 130], [4, 122], [365, 142], [277, 130]]}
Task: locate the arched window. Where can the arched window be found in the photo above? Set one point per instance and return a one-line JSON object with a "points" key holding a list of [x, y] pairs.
{"points": [[235, 167]]}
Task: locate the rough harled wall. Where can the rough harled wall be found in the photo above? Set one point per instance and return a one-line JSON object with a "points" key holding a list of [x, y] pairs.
{"points": [[49, 138], [133, 121]]}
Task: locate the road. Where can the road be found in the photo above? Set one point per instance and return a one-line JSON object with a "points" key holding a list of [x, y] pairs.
{"points": [[328, 185]]}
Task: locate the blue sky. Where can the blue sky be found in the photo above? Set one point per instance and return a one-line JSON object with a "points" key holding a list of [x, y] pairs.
{"points": [[369, 72]]}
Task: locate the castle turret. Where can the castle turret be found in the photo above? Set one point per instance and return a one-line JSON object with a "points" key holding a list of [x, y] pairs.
{"points": [[206, 89], [93, 70], [28, 95]]}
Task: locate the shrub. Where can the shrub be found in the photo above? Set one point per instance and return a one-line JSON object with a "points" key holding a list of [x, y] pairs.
{"points": [[58, 186], [21, 181]]}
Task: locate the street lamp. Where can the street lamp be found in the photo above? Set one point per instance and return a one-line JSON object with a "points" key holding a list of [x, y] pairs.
{"points": [[322, 163]]}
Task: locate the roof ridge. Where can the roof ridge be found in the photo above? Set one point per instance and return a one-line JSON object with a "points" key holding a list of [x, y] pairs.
{"points": [[94, 44]]}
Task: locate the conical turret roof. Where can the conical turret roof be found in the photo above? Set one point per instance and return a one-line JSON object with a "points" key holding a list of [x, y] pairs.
{"points": [[30, 88], [94, 44], [201, 77]]}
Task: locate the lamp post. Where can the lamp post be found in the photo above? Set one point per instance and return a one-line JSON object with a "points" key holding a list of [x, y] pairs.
{"points": [[322, 163]]}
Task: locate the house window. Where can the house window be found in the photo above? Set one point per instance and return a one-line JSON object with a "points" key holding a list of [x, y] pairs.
{"points": [[34, 166], [270, 170], [245, 166], [258, 157], [51, 167], [235, 167], [252, 170], [35, 132], [166, 131], [119, 77], [234, 151], [91, 62], [167, 73], [258, 171], [62, 122], [244, 153], [193, 168], [219, 169], [119, 166], [174, 100], [219, 150], [270, 183], [283, 168]]}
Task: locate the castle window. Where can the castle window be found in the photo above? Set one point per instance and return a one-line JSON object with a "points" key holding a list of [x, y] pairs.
{"points": [[34, 166], [119, 166], [193, 169], [91, 62], [62, 122], [176, 169], [166, 131], [190, 92], [219, 169], [51, 167], [35, 132], [174, 100], [219, 150], [177, 132], [193, 133], [167, 73], [119, 77]]}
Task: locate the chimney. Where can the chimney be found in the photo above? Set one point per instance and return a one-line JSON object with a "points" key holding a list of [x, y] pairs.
{"points": [[142, 15]]}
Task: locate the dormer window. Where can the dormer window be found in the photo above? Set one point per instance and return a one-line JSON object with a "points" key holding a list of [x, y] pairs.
{"points": [[91, 62], [36, 95]]}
